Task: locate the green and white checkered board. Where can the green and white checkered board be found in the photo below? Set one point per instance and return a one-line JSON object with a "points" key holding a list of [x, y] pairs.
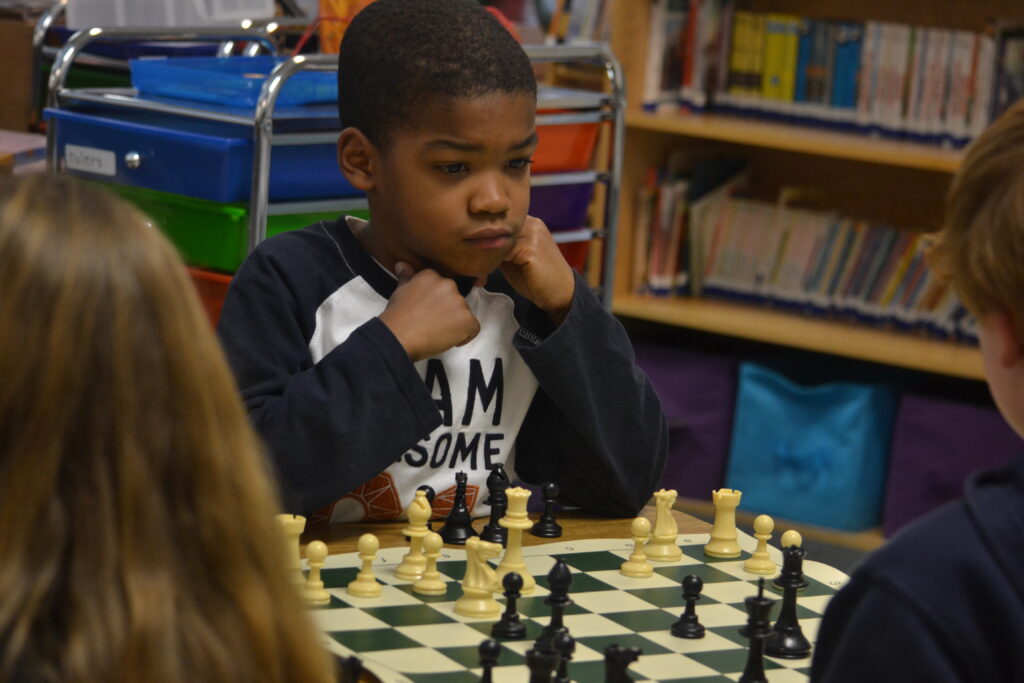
{"points": [[402, 636]]}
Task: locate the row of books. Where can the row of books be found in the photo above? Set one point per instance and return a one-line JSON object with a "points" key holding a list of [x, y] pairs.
{"points": [[923, 83], [722, 244], [580, 21]]}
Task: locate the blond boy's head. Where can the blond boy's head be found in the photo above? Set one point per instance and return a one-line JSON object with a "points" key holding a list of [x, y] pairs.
{"points": [[981, 249]]}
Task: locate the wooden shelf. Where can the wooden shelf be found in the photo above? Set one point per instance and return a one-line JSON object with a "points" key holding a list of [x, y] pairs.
{"points": [[813, 334], [858, 540], [796, 138]]}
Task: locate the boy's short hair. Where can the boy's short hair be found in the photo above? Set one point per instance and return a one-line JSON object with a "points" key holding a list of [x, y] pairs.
{"points": [[981, 245], [398, 55]]}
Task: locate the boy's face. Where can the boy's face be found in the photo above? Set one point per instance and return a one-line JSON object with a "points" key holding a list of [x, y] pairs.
{"points": [[452, 191]]}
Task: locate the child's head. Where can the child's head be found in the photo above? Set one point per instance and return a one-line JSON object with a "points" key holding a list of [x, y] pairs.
{"points": [[981, 248], [136, 530], [438, 104]]}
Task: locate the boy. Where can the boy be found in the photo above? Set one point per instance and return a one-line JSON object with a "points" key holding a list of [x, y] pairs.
{"points": [[944, 599], [448, 333]]}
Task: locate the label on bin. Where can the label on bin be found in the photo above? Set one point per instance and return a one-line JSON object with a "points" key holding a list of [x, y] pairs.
{"points": [[90, 160]]}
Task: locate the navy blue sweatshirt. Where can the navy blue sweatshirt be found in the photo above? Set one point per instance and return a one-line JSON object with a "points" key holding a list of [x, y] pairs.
{"points": [[943, 600], [339, 403]]}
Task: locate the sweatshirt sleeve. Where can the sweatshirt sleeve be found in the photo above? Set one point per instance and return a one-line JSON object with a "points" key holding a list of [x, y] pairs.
{"points": [[596, 426], [872, 632], [329, 426]]}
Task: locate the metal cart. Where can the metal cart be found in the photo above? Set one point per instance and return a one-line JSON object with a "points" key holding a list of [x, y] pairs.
{"points": [[579, 106]]}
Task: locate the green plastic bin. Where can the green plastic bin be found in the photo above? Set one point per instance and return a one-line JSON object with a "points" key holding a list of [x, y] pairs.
{"points": [[209, 234]]}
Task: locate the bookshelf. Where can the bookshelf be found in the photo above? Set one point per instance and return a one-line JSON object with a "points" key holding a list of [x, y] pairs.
{"points": [[819, 142], [892, 182], [896, 182], [811, 334]]}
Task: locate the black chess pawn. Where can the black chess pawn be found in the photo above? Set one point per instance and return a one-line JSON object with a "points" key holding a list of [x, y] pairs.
{"points": [[546, 526], [497, 482], [565, 646], [457, 527], [757, 629], [787, 639], [509, 626], [688, 625], [559, 581], [489, 651], [430, 499], [616, 660], [542, 665]]}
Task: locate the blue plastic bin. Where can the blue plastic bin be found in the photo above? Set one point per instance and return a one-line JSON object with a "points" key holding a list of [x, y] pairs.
{"points": [[814, 454], [136, 50], [195, 157], [230, 81]]}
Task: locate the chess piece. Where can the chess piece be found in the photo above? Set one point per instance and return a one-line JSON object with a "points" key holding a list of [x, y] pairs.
{"points": [[479, 582], [662, 547], [787, 639], [516, 521], [616, 660], [365, 584], [637, 565], [688, 625], [565, 646], [313, 590], [723, 541], [457, 527], [293, 526], [509, 626], [497, 483], [349, 669], [415, 561], [792, 566], [559, 581], [429, 490], [546, 526], [760, 562], [542, 665], [431, 583], [757, 629], [489, 651], [497, 480]]}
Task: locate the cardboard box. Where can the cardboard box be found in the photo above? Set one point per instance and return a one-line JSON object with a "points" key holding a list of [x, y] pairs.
{"points": [[16, 56]]}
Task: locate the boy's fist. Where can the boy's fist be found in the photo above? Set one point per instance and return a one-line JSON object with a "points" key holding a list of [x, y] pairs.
{"points": [[427, 314], [536, 269]]}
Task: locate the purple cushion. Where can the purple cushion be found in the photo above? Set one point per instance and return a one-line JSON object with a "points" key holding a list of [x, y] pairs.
{"points": [[698, 396], [935, 445]]}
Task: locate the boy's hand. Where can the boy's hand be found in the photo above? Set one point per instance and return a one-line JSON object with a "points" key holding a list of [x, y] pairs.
{"points": [[427, 314], [538, 271]]}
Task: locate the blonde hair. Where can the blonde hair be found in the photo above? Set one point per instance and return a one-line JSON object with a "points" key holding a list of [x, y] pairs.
{"points": [[981, 245], [137, 539]]}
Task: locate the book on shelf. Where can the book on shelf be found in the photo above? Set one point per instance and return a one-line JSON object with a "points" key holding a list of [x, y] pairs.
{"points": [[792, 257], [928, 84]]}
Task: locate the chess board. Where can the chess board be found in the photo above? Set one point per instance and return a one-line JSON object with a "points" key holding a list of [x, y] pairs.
{"points": [[402, 636]]}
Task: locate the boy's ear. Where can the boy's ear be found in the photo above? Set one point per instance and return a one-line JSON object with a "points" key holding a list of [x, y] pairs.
{"points": [[1011, 344], [358, 159]]}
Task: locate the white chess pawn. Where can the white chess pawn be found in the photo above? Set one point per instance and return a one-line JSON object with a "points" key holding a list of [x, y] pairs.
{"points": [[313, 590], [431, 582], [663, 547], [365, 584], [791, 538], [760, 562], [637, 565]]}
